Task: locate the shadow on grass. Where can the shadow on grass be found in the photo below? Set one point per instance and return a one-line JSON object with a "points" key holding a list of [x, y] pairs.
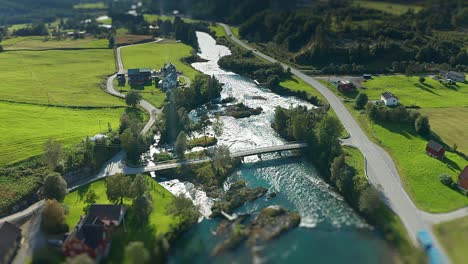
{"points": [[350, 95], [403, 129], [425, 88], [451, 164], [82, 191]]}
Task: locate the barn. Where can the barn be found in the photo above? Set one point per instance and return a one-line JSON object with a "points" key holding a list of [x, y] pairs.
{"points": [[435, 150], [463, 179]]}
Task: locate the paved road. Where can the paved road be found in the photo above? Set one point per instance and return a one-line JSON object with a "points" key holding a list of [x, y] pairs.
{"points": [[381, 169]]}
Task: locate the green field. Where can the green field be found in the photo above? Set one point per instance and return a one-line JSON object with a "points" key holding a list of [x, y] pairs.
{"points": [[355, 159], [451, 124], [42, 43], [98, 5], [219, 31], [419, 172], [454, 238], [57, 77], [156, 55], [410, 92], [392, 8], [26, 127], [297, 84], [152, 18]]}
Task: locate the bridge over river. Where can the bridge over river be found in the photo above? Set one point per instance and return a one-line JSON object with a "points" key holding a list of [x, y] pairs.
{"points": [[237, 154]]}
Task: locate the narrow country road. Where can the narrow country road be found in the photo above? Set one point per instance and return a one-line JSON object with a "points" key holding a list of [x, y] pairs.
{"points": [[381, 169]]}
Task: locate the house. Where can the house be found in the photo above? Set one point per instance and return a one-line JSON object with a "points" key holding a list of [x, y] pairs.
{"points": [[345, 86], [435, 149], [140, 76], [92, 234], [10, 239], [169, 77], [463, 179], [389, 99], [455, 76]]}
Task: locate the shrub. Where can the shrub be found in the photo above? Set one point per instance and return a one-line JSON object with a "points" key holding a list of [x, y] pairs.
{"points": [[422, 79], [421, 125], [361, 100], [54, 187], [446, 180]]}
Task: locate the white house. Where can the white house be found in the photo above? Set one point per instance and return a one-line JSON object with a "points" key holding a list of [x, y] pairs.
{"points": [[170, 81], [389, 99], [455, 76]]}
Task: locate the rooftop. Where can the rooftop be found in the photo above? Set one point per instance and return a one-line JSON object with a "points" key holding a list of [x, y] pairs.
{"points": [[464, 173], [434, 145], [388, 95]]}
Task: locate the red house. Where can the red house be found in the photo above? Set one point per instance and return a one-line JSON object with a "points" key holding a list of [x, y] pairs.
{"points": [[463, 179], [92, 234], [435, 149], [345, 86]]}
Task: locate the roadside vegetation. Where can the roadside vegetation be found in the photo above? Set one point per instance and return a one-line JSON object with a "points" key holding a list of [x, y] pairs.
{"points": [[453, 237], [420, 172]]}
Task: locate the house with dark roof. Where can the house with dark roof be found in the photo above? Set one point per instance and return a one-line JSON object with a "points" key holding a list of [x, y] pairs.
{"points": [[435, 149], [345, 86], [142, 76], [463, 179], [10, 239], [389, 99], [91, 235], [455, 76]]}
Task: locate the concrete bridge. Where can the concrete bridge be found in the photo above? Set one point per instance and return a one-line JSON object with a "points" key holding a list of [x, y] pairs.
{"points": [[238, 154]]}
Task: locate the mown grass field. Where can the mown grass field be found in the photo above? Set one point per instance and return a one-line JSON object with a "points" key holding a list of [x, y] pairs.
{"points": [[156, 55], [453, 236], [451, 124], [26, 127], [57, 77], [41, 43], [419, 172], [409, 91], [97, 5], [392, 8]]}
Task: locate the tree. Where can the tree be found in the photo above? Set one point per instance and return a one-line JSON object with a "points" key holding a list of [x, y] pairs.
{"points": [[117, 188], [53, 153], [204, 124], [181, 145], [183, 208], [273, 81], [328, 132], [161, 249], [142, 208], [133, 98], [422, 79], [446, 180], [136, 253], [421, 125], [80, 259], [139, 186], [53, 217], [111, 40], [409, 71], [222, 159], [54, 187], [342, 175], [218, 126], [90, 198], [361, 100], [369, 201]]}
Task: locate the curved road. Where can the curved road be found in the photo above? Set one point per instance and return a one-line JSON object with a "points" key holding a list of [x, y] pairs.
{"points": [[380, 167]]}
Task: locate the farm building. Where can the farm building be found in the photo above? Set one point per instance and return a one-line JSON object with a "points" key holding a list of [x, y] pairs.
{"points": [[121, 79], [389, 99], [10, 236], [435, 149], [455, 76], [463, 179], [92, 234], [345, 86], [367, 76], [140, 76]]}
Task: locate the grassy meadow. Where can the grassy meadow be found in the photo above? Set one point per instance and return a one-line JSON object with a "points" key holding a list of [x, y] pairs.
{"points": [[84, 6], [392, 8], [27, 127], [156, 55], [453, 236], [153, 95], [57, 77], [419, 172], [42, 43]]}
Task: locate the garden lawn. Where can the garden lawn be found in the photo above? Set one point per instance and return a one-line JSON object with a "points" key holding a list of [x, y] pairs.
{"points": [[57, 77], [410, 91], [159, 219], [454, 238], [156, 55], [392, 8], [150, 93], [26, 127], [450, 124], [41, 43]]}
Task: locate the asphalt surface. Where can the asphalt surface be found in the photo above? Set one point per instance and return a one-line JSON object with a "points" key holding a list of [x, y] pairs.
{"points": [[381, 169]]}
